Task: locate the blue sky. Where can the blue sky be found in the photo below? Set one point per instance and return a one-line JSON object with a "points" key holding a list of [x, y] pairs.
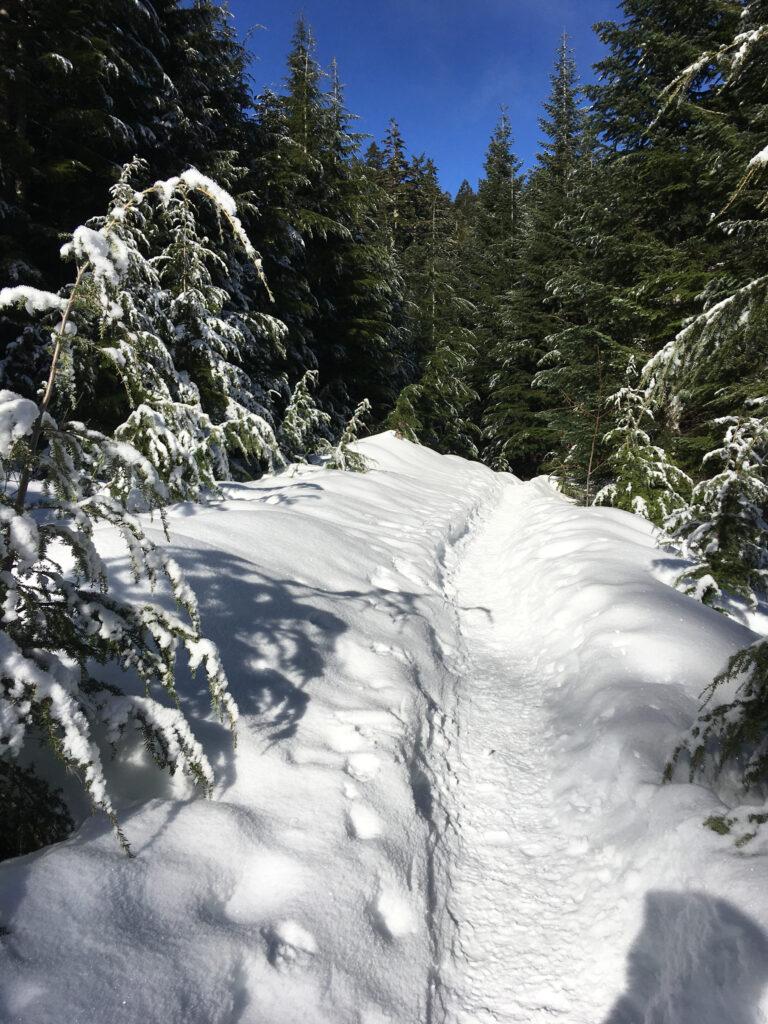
{"points": [[441, 68]]}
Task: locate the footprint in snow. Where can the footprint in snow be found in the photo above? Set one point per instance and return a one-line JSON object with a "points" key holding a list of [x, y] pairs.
{"points": [[363, 766], [392, 915], [288, 945], [343, 738], [363, 822]]}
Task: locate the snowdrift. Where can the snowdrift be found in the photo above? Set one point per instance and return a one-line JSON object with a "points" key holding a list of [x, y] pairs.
{"points": [[360, 621]]}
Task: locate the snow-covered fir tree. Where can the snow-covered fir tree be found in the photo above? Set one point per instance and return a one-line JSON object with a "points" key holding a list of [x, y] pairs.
{"points": [[303, 423], [62, 627], [342, 455], [161, 328], [716, 364], [129, 315], [643, 480], [723, 529], [731, 731]]}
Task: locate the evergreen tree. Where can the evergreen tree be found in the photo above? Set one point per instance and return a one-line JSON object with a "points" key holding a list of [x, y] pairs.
{"points": [[586, 355], [396, 183], [84, 89], [731, 731], [342, 455], [642, 204], [351, 278], [723, 529], [360, 342], [518, 434], [498, 212], [491, 266], [437, 406], [162, 337], [659, 156], [275, 182], [60, 628], [718, 361], [643, 480], [303, 422]]}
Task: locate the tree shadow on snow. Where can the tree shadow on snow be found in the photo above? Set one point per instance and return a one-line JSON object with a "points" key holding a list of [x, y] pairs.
{"points": [[247, 615], [697, 960]]}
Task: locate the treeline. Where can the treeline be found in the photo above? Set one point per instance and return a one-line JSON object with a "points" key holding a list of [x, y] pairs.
{"points": [[504, 324]]}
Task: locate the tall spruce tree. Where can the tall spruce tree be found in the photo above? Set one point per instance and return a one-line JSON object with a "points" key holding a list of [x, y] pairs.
{"points": [[718, 361], [642, 224], [438, 408], [84, 89], [61, 628], [352, 283], [491, 266], [517, 432]]}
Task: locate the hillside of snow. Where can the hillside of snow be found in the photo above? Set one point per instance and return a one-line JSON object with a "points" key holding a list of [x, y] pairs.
{"points": [[458, 693]]}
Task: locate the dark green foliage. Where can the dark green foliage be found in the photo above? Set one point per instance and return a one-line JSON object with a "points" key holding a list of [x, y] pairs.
{"points": [[303, 424], [348, 284], [342, 455], [643, 480], [519, 432], [60, 628], [732, 727], [86, 87], [719, 824], [34, 815], [723, 528], [438, 404], [638, 226]]}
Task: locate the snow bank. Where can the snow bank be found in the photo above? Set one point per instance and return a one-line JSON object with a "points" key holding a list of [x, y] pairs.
{"points": [[301, 891], [656, 917]]}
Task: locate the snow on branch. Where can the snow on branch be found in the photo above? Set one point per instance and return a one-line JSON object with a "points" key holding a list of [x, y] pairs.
{"points": [[34, 299]]}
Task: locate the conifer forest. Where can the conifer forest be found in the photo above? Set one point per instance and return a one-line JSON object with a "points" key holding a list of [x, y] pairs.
{"points": [[204, 282]]}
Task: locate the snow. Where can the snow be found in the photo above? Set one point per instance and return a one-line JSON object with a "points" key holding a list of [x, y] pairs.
{"points": [[457, 696], [17, 418], [195, 181], [192, 178], [35, 300], [105, 251], [759, 158]]}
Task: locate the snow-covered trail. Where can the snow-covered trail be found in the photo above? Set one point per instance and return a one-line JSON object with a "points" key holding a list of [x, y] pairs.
{"points": [[458, 693], [569, 896], [521, 953]]}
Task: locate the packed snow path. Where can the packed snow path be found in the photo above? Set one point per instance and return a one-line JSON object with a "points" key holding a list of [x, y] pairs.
{"points": [[543, 902], [522, 952]]}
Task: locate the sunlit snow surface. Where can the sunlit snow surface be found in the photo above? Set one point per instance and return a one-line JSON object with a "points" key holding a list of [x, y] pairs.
{"points": [[457, 696]]}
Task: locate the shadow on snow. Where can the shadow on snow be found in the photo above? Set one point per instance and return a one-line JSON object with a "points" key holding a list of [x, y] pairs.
{"points": [[697, 960]]}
